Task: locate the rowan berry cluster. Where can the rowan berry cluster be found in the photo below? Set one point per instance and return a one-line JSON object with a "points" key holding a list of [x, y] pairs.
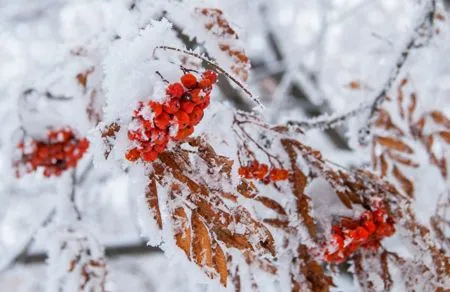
{"points": [[154, 123], [62, 150], [260, 171], [365, 232]]}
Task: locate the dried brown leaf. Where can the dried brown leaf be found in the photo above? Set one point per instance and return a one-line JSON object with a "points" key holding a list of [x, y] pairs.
{"points": [[407, 185], [182, 231], [394, 144], [201, 242], [220, 264], [151, 196]]}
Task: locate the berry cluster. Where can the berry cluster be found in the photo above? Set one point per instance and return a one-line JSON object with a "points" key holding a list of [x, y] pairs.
{"points": [[154, 123], [365, 232], [256, 170], [61, 151]]}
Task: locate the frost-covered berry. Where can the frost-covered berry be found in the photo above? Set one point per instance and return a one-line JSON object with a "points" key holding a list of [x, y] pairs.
{"points": [[189, 80]]}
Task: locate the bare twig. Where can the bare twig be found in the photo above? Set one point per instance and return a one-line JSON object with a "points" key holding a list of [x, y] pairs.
{"points": [[73, 193], [423, 28], [327, 122]]}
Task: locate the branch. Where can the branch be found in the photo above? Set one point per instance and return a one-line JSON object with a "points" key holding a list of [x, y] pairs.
{"points": [[325, 121], [424, 28]]}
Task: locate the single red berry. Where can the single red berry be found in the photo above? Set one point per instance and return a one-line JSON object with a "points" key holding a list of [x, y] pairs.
{"points": [[370, 226], [362, 233], [243, 171], [159, 136], [184, 133], [156, 107], [204, 83], [212, 76], [132, 154], [196, 96], [196, 116], [261, 171], [187, 106], [205, 102], [171, 106], [182, 119], [175, 90], [162, 121], [189, 80]]}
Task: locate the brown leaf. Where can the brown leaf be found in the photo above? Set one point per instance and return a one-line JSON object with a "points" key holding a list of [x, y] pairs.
{"points": [[220, 264], [151, 195], [412, 107], [298, 181], [384, 165], [394, 144], [406, 184], [403, 160], [238, 241], [182, 231], [201, 242], [445, 136], [440, 118], [247, 189], [271, 204]]}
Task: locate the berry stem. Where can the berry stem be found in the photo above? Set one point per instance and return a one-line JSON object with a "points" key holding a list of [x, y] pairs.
{"points": [[217, 67]]}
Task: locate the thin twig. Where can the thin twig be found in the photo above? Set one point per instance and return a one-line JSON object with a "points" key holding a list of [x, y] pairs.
{"points": [[328, 122], [73, 193], [218, 68]]}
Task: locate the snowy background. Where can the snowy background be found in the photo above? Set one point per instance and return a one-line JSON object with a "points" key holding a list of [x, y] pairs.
{"points": [[308, 58]]}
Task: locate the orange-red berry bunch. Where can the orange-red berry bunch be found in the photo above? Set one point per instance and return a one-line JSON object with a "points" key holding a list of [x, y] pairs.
{"points": [[62, 150], [260, 171], [365, 232], [154, 123]]}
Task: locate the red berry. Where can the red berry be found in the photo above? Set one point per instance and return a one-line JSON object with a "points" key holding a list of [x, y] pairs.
{"points": [[149, 156], [362, 234], [196, 116], [197, 96], [156, 107], [187, 106], [370, 226], [175, 90], [132, 154], [205, 102], [159, 148], [204, 83], [277, 174], [212, 76], [182, 119], [171, 106], [189, 80], [159, 136], [261, 171], [243, 171], [162, 121], [184, 133]]}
